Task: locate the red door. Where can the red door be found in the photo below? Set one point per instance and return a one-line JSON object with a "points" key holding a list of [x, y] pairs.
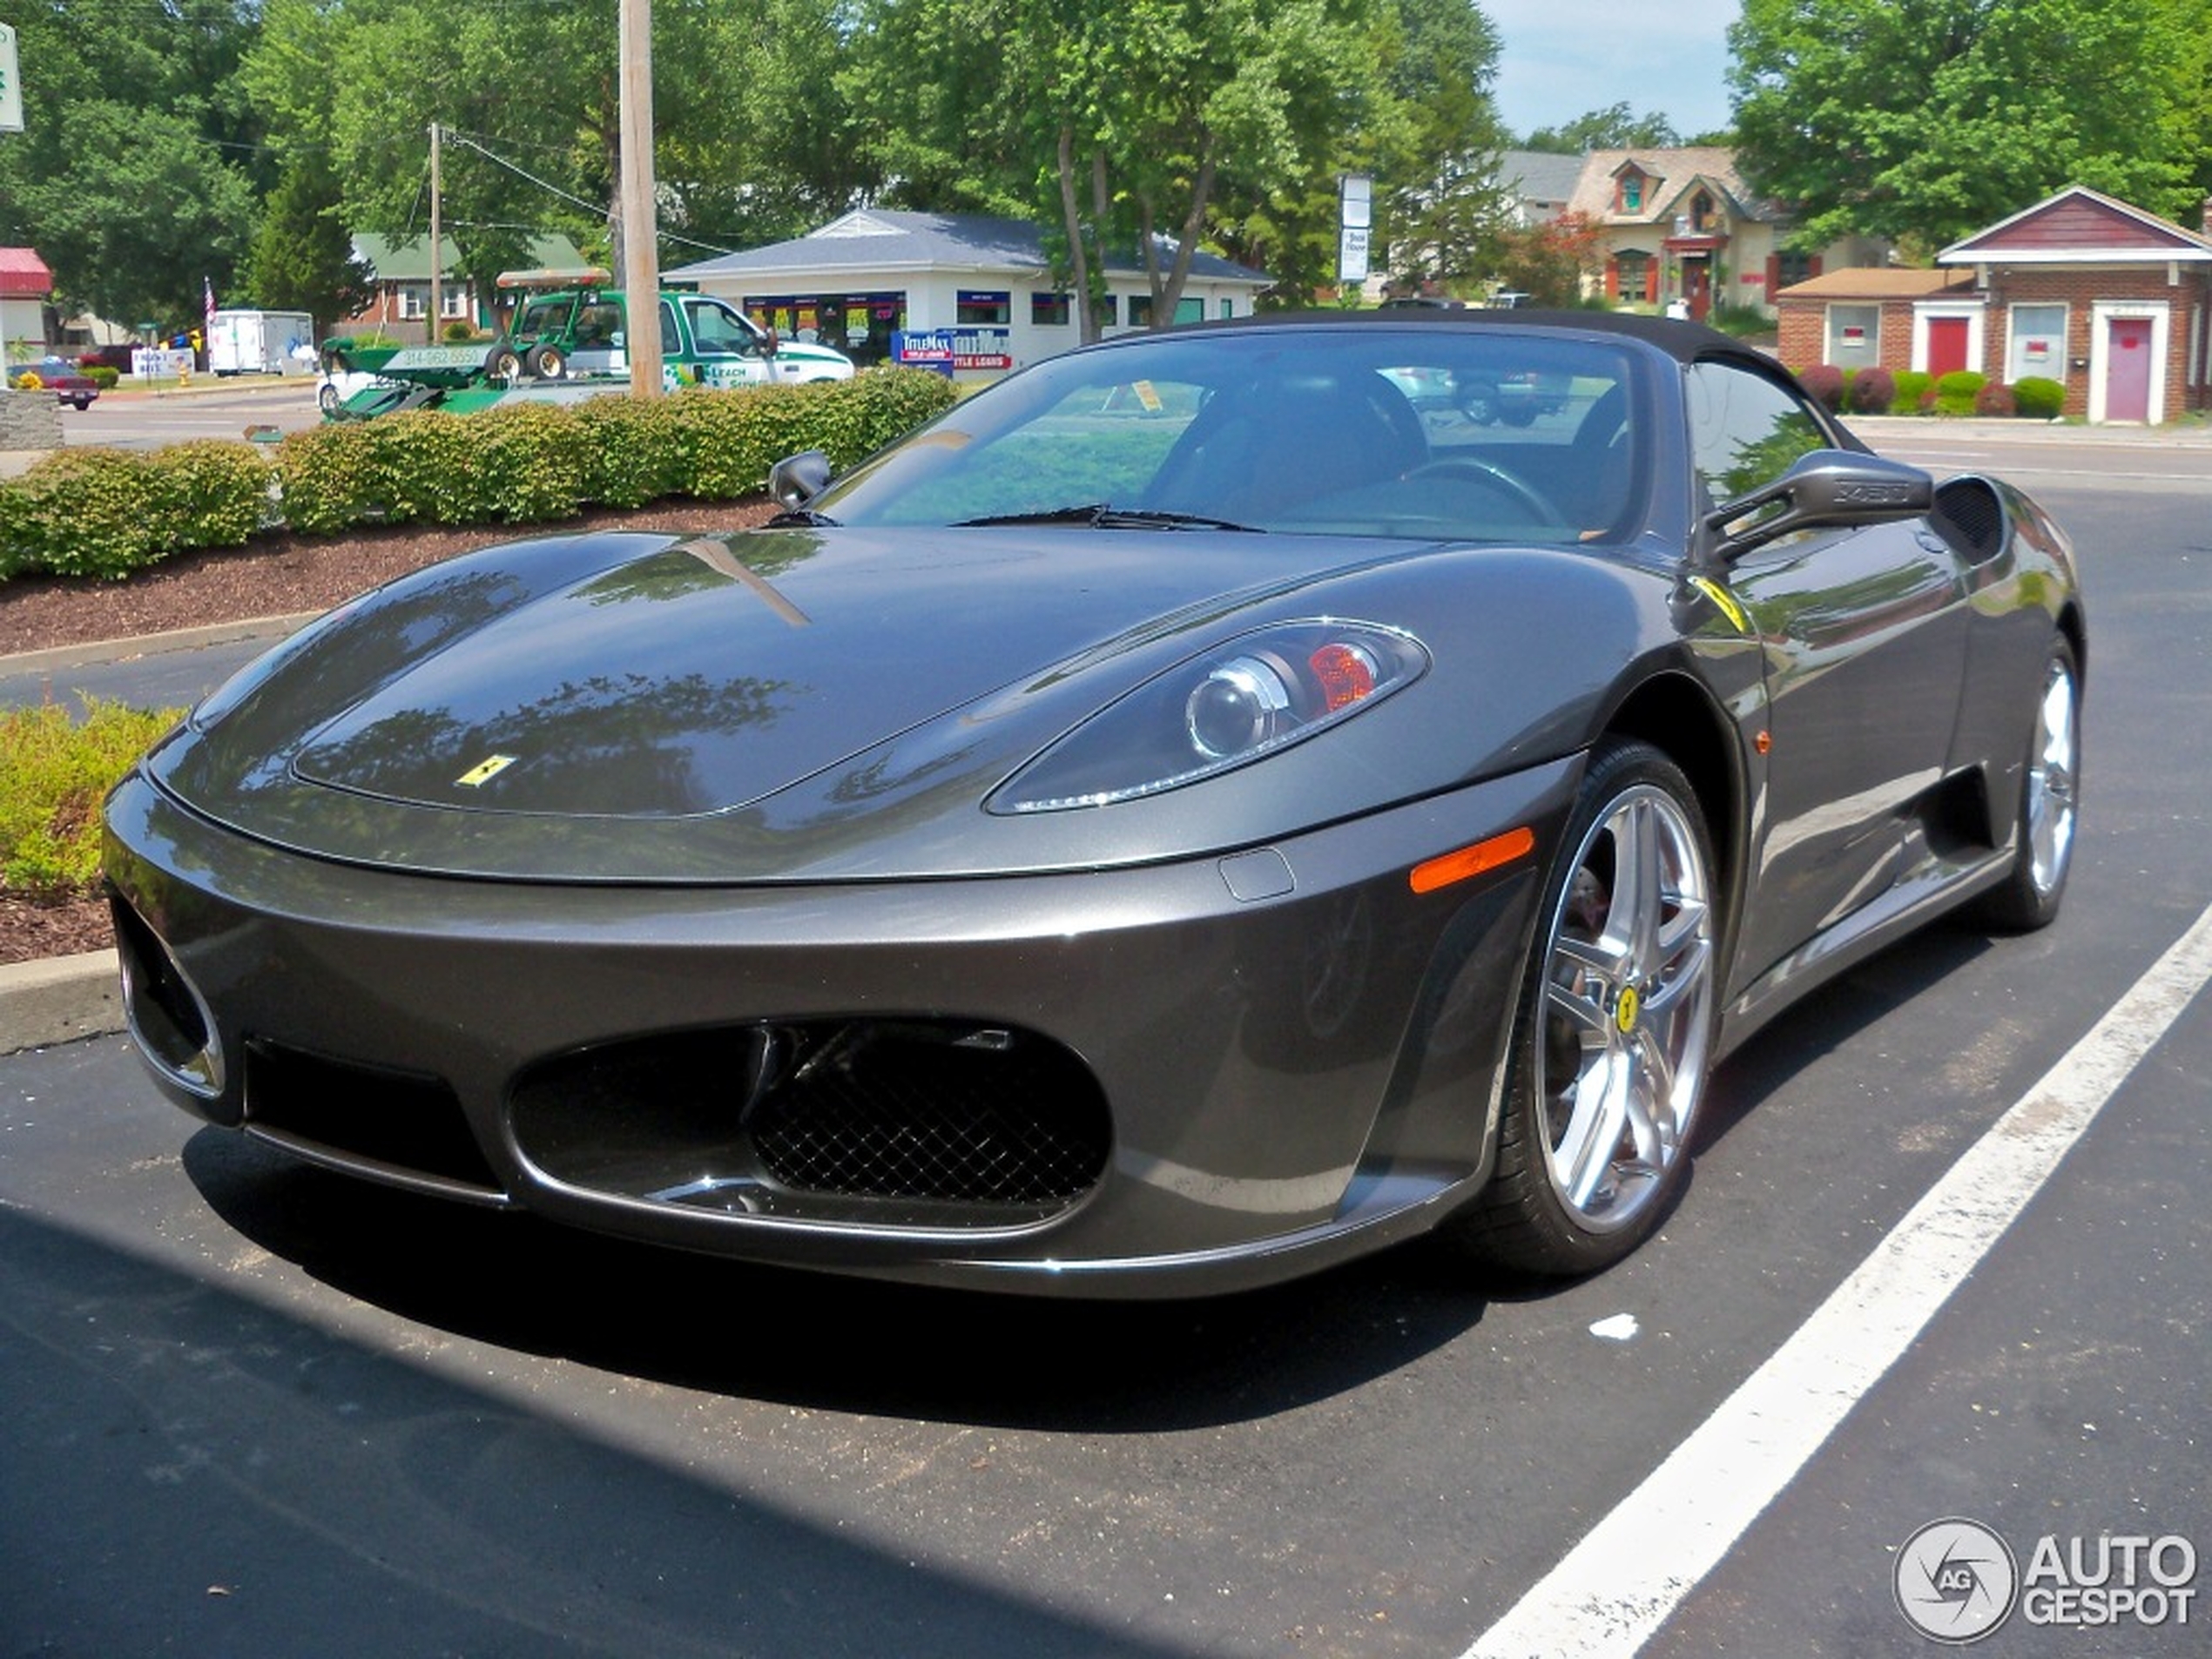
{"points": [[2127, 369], [1946, 345]]}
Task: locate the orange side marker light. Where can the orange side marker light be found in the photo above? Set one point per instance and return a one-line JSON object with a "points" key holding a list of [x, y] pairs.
{"points": [[1499, 851]]}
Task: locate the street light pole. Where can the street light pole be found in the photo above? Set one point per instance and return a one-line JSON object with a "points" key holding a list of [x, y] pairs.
{"points": [[640, 235]]}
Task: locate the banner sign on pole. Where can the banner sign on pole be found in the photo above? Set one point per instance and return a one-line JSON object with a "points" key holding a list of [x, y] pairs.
{"points": [[11, 84], [1355, 214]]}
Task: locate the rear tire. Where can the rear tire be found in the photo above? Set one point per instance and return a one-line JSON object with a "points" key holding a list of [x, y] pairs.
{"points": [[2049, 807], [548, 362], [1613, 1036]]}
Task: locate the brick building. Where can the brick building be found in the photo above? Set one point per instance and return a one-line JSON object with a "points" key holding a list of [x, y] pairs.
{"points": [[2112, 302]]}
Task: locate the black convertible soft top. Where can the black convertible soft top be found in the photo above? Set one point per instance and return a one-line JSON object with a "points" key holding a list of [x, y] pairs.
{"points": [[1680, 340]]}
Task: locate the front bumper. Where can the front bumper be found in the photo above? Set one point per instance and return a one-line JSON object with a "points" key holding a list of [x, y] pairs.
{"points": [[1253, 1064]]}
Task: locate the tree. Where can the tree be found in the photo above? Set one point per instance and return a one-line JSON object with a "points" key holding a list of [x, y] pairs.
{"points": [[1549, 261], [302, 258], [134, 176], [1441, 210], [1925, 122], [1147, 128], [1615, 127]]}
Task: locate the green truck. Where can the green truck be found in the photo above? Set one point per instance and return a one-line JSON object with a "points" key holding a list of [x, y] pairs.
{"points": [[563, 346]]}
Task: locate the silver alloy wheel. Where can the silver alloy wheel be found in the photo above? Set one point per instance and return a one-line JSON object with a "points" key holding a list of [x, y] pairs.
{"points": [[1628, 1009], [2053, 778]]}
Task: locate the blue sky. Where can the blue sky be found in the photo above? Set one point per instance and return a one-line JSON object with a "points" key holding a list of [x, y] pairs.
{"points": [[1563, 58]]}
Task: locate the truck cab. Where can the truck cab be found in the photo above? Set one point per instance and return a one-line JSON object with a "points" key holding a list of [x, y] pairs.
{"points": [[582, 332]]}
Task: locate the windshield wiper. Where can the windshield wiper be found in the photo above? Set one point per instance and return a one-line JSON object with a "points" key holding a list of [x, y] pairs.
{"points": [[1102, 515]]}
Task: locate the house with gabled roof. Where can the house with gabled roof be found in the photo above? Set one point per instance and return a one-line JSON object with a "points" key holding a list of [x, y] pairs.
{"points": [[399, 269], [962, 292], [2109, 299], [1681, 228]]}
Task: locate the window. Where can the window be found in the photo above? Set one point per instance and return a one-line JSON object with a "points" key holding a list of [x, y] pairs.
{"points": [[1106, 308], [980, 308], [1049, 310], [452, 302], [1228, 309], [1701, 213], [1854, 335], [414, 298], [1790, 268], [1140, 310], [1636, 269], [718, 330], [2038, 342], [1632, 192], [1745, 431]]}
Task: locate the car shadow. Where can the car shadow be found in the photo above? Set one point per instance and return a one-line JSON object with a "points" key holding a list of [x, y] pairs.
{"points": [[1845, 1007], [822, 1340]]}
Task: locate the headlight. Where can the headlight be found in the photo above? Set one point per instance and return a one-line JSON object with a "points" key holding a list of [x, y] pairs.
{"points": [[1252, 697]]}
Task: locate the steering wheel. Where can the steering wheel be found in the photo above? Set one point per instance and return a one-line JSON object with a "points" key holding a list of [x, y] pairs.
{"points": [[1483, 472]]}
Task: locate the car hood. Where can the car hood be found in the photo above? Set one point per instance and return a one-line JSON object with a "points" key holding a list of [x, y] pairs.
{"points": [[798, 704]]}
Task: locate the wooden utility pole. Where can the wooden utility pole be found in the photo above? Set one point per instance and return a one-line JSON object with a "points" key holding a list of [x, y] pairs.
{"points": [[640, 223], [430, 323]]}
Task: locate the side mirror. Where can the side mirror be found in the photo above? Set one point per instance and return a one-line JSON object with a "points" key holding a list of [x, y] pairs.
{"points": [[796, 480], [1834, 489]]}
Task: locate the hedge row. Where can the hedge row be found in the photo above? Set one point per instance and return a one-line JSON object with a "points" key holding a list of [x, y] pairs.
{"points": [[1876, 390], [106, 513]]}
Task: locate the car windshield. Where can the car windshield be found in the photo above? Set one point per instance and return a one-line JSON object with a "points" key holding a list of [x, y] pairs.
{"points": [[1433, 433]]}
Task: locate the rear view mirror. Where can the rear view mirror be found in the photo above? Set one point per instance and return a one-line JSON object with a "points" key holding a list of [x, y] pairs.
{"points": [[796, 480], [1834, 489]]}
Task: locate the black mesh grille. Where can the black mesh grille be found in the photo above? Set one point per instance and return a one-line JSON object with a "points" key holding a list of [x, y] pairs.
{"points": [[983, 1120], [920, 1123], [1969, 518]]}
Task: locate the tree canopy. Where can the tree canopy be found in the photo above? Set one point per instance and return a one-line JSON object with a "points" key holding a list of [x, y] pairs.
{"points": [[1925, 120], [244, 141], [1614, 127]]}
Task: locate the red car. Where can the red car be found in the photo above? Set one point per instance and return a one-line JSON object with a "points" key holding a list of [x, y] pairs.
{"points": [[65, 381]]}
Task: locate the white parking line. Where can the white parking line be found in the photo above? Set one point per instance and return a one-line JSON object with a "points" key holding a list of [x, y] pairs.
{"points": [[1613, 1590]]}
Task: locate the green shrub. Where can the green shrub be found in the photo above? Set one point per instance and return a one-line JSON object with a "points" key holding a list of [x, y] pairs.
{"points": [[210, 492], [2039, 398], [630, 454], [54, 772], [102, 376], [328, 477], [1955, 391], [1915, 391], [85, 513], [106, 513]]}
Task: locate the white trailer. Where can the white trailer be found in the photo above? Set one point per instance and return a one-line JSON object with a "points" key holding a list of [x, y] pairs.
{"points": [[261, 342]]}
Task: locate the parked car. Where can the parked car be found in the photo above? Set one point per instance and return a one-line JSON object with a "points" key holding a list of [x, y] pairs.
{"points": [[69, 383], [1181, 819]]}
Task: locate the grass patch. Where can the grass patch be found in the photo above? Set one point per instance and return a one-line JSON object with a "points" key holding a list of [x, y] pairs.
{"points": [[54, 773]]}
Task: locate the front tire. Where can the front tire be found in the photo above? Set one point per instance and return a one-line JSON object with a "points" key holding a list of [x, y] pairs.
{"points": [[1612, 1038], [2049, 807]]}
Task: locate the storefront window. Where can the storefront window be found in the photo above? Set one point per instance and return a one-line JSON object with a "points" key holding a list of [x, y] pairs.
{"points": [[983, 308], [1050, 310]]}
